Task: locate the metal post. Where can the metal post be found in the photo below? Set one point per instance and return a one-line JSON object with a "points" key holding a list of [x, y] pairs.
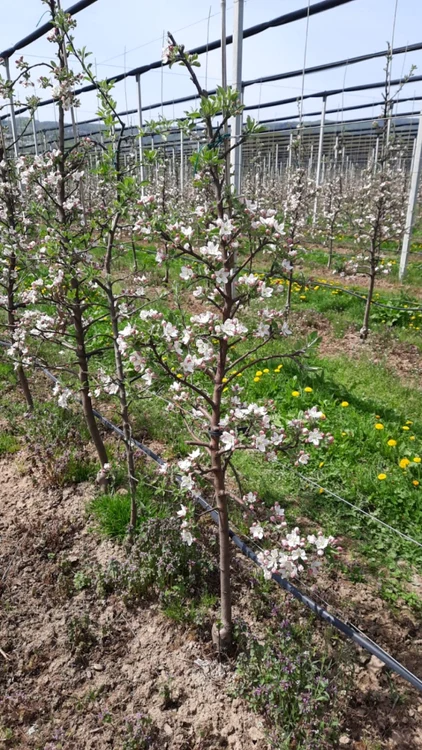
{"points": [[377, 146], [182, 174], [290, 150], [415, 173], [237, 122], [319, 158], [34, 130], [141, 145], [311, 158], [276, 160], [12, 112], [336, 151]]}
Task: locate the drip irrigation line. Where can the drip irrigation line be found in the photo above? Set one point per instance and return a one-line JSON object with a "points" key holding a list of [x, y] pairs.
{"points": [[360, 510], [38, 33], [349, 631]]}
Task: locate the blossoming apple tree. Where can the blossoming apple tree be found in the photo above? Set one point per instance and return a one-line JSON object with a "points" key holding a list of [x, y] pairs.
{"points": [[198, 360]]}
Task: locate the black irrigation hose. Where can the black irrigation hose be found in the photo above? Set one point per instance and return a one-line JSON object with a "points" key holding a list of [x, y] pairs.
{"points": [[38, 33], [349, 631]]}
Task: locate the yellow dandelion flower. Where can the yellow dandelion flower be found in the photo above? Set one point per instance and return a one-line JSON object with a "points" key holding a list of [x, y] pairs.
{"points": [[258, 373], [382, 476], [409, 422], [417, 460], [256, 380], [405, 427], [295, 394], [321, 464], [412, 437], [266, 370], [344, 404], [415, 483], [321, 491], [179, 375], [392, 443], [404, 463], [379, 426], [224, 380], [308, 389]]}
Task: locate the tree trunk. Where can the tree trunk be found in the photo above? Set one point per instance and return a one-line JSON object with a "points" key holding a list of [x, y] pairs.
{"points": [[365, 326], [222, 632], [124, 411], [85, 389], [330, 253]]}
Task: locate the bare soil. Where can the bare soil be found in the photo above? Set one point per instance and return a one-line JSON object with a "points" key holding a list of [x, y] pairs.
{"points": [[53, 697]]}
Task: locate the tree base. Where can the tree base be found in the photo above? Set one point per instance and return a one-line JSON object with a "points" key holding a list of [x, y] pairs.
{"points": [[222, 637]]}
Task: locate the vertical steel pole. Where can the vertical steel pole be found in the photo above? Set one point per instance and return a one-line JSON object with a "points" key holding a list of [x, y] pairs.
{"points": [[415, 173], [377, 146], [237, 122], [319, 159], [182, 171], [34, 130], [141, 145], [290, 150], [12, 112]]}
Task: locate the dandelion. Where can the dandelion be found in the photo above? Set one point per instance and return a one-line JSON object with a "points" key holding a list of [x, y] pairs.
{"points": [[344, 404], [295, 394], [266, 370], [415, 483], [417, 460], [404, 463], [405, 427], [308, 389], [382, 476], [224, 380], [379, 426], [179, 375], [321, 464], [258, 373], [412, 437], [392, 443], [321, 491], [256, 380], [409, 422]]}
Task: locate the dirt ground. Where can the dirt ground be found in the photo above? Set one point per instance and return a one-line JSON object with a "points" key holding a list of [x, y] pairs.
{"points": [[51, 699]]}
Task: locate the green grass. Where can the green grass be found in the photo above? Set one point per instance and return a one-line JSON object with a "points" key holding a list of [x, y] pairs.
{"points": [[352, 464], [8, 444], [112, 511]]}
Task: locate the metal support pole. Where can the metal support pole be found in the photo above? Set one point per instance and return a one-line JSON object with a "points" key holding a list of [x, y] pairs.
{"points": [[141, 145], [34, 130], [319, 158], [237, 122], [377, 146], [12, 112], [290, 150], [415, 174], [276, 160], [182, 173]]}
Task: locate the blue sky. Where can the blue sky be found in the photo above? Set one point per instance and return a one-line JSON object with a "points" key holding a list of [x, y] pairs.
{"points": [[129, 33]]}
